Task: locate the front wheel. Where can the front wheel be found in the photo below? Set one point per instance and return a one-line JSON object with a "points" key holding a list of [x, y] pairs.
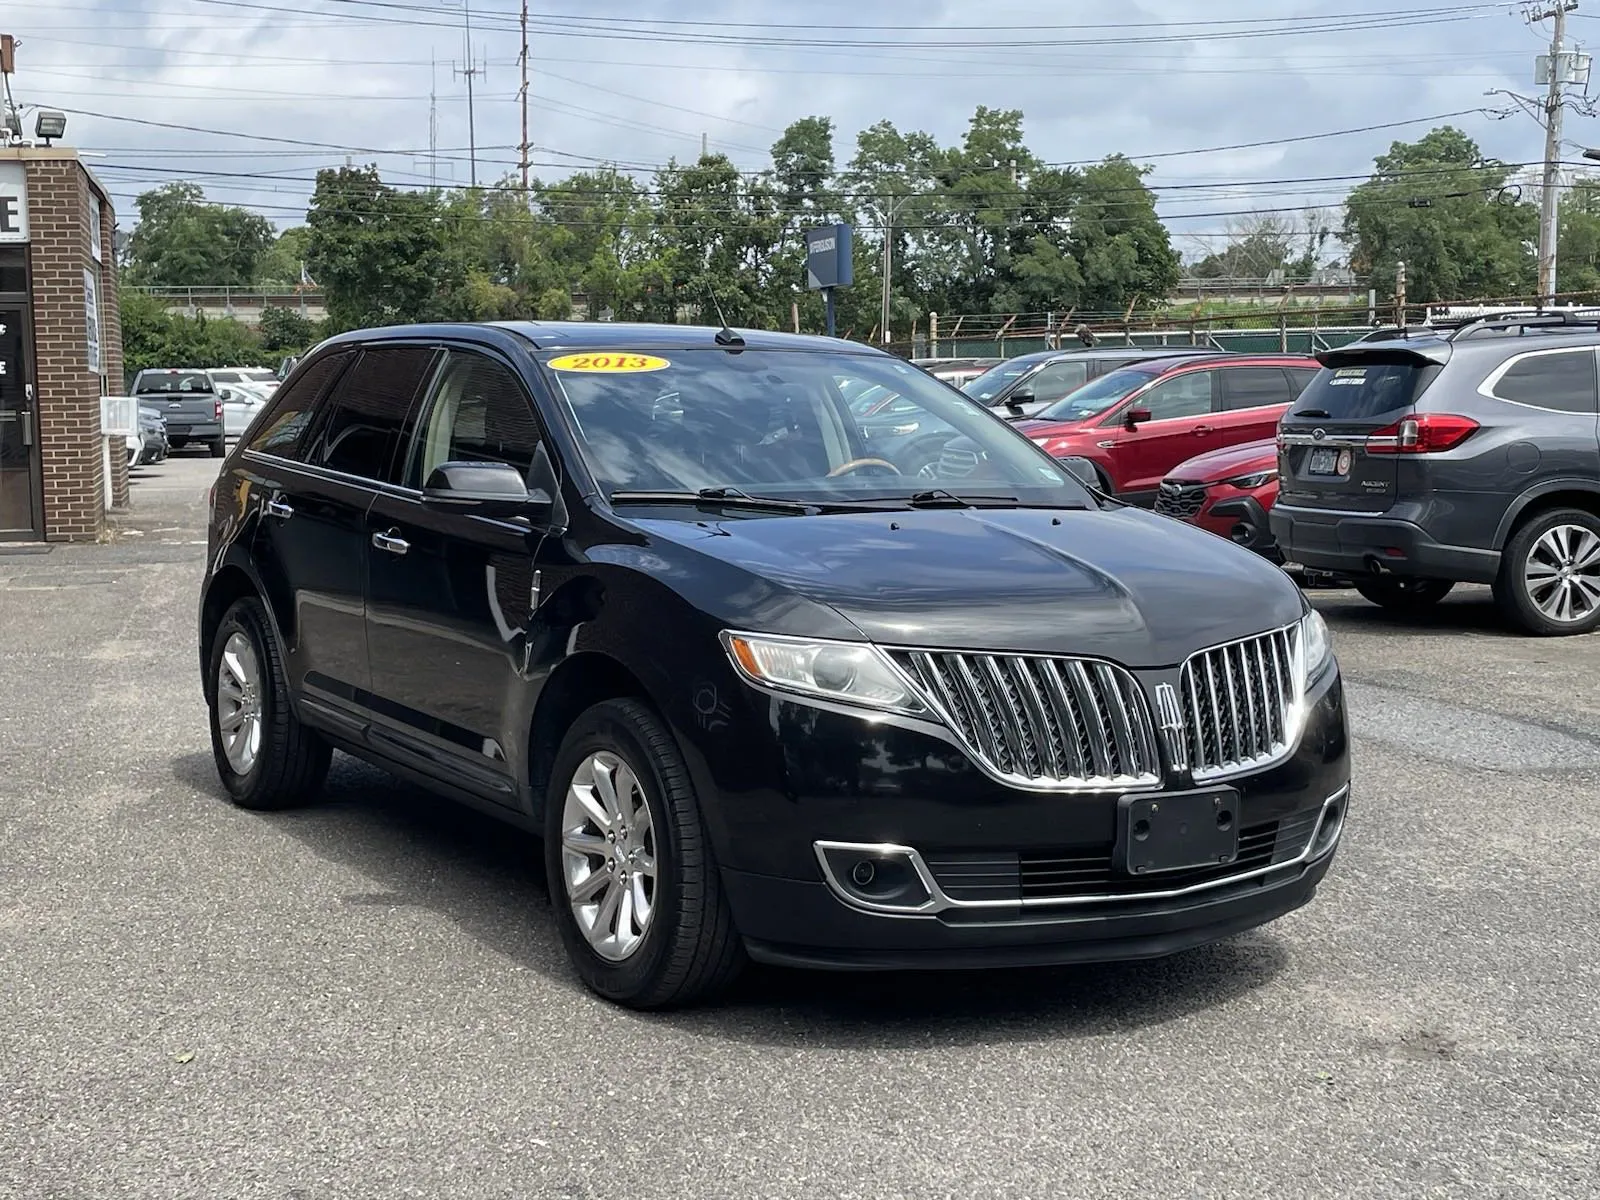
{"points": [[266, 758], [1406, 596], [1549, 580], [633, 882]]}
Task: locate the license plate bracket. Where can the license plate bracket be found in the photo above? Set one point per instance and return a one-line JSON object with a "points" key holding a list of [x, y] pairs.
{"points": [[1178, 831], [1324, 460]]}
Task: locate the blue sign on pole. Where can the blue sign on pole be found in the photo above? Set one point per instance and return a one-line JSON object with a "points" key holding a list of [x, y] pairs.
{"points": [[829, 263]]}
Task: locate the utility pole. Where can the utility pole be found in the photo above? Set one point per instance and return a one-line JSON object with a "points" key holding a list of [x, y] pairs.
{"points": [[522, 93], [1400, 295], [470, 72], [433, 123], [1559, 67]]}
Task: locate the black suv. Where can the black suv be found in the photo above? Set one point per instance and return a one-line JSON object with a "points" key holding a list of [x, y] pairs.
{"points": [[645, 591], [1469, 456]]}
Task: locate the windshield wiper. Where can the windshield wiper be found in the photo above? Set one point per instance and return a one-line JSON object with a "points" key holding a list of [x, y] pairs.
{"points": [[1312, 412], [714, 497], [940, 498]]}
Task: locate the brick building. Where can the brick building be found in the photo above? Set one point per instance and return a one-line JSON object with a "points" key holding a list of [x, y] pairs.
{"points": [[60, 347]]}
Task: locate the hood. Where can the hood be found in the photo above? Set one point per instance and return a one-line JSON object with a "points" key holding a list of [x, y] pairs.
{"points": [[1125, 584], [1227, 462]]}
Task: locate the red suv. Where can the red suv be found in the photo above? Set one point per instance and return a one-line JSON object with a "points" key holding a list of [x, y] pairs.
{"points": [[1138, 422]]}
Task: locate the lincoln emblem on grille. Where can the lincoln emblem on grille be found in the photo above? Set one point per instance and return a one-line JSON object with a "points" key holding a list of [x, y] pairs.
{"points": [[1170, 718]]}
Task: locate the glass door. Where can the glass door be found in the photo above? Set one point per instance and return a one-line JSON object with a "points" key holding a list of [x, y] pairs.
{"points": [[20, 515]]}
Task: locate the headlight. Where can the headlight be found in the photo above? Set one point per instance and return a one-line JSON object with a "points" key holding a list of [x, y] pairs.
{"points": [[1247, 482], [1316, 647], [849, 672]]}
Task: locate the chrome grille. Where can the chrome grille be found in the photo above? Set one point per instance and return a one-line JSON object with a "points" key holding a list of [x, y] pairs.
{"points": [[1056, 723], [1241, 703], [1180, 500]]}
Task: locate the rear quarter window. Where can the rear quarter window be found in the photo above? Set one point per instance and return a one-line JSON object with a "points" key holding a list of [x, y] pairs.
{"points": [[281, 430], [1563, 381], [1364, 388]]}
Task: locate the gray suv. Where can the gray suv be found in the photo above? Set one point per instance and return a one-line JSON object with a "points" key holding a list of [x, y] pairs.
{"points": [[1473, 456]]}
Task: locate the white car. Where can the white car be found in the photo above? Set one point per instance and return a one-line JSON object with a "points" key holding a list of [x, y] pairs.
{"points": [[241, 404]]}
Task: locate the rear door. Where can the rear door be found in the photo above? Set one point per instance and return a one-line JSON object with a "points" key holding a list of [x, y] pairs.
{"points": [[1324, 459], [1253, 398], [1182, 424]]}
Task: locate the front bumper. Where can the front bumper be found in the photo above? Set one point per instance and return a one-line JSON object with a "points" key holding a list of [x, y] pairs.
{"points": [[1350, 544], [992, 851]]}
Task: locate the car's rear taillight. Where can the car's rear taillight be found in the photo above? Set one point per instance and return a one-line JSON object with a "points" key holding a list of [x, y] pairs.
{"points": [[1425, 433], [217, 407]]}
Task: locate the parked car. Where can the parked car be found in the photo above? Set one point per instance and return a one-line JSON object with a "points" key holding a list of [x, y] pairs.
{"points": [[152, 439], [260, 378], [1469, 456], [956, 371], [1138, 422], [1026, 385], [1227, 492], [241, 404], [190, 404], [763, 695]]}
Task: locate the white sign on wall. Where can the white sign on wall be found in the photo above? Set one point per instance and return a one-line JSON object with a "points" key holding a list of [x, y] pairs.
{"points": [[91, 313], [94, 228], [13, 203]]}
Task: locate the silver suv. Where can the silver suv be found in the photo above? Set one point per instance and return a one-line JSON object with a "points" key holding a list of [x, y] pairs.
{"points": [[1473, 456]]}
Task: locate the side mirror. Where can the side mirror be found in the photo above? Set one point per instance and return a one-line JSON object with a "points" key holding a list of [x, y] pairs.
{"points": [[1017, 399], [1136, 417], [1082, 470], [485, 489]]}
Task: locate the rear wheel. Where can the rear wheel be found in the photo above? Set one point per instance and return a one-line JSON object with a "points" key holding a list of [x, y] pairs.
{"points": [[1404, 595], [219, 448], [635, 888], [266, 758], [1550, 574]]}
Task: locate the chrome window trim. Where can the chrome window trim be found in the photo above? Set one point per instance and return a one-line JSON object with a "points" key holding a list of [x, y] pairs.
{"points": [[939, 901], [1486, 388]]}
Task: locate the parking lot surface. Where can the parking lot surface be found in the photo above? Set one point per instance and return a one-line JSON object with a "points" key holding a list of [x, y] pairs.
{"points": [[367, 998]]}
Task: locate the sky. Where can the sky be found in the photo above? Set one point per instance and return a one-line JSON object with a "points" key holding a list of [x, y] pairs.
{"points": [[249, 98]]}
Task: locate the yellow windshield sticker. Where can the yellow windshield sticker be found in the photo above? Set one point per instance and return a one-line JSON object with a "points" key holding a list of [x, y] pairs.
{"points": [[609, 362]]}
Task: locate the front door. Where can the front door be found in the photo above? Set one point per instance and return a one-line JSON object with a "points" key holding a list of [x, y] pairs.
{"points": [[21, 518], [1182, 424], [450, 597]]}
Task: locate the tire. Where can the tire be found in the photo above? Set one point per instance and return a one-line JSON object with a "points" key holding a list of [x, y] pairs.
{"points": [[290, 761], [689, 949], [219, 448], [177, 443], [1405, 596], [1543, 544]]}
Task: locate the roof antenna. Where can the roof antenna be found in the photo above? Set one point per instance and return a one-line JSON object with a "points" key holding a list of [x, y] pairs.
{"points": [[726, 336]]}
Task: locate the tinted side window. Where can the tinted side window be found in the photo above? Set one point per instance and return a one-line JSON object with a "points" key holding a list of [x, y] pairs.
{"points": [[1055, 381], [1187, 395], [1254, 387], [282, 428], [479, 413], [370, 405], [1300, 378], [1563, 382]]}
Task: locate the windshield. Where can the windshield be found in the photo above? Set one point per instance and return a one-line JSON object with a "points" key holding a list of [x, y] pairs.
{"points": [[1094, 397], [170, 381], [995, 380], [787, 424]]}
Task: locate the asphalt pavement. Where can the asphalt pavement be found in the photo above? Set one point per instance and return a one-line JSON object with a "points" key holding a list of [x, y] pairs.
{"points": [[367, 998]]}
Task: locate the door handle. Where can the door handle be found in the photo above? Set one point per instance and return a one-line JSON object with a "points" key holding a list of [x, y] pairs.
{"points": [[391, 541], [1201, 430], [277, 508], [26, 418]]}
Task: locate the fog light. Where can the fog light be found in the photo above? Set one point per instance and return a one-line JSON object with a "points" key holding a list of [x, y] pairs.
{"points": [[1331, 825], [881, 877]]}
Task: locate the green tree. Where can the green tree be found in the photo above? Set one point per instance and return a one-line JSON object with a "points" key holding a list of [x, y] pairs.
{"points": [[380, 254], [154, 337], [286, 330], [181, 240], [1578, 261], [279, 267], [1441, 208]]}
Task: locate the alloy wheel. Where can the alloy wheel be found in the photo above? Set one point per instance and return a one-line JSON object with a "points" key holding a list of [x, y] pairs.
{"points": [[1562, 573], [239, 703], [608, 855]]}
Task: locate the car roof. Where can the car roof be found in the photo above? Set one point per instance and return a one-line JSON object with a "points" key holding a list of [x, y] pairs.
{"points": [[609, 335], [1226, 359]]}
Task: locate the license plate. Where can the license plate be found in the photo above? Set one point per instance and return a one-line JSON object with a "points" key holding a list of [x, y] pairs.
{"points": [[1178, 831], [1323, 462]]}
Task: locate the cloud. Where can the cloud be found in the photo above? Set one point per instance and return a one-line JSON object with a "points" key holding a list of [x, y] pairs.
{"points": [[1144, 78]]}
